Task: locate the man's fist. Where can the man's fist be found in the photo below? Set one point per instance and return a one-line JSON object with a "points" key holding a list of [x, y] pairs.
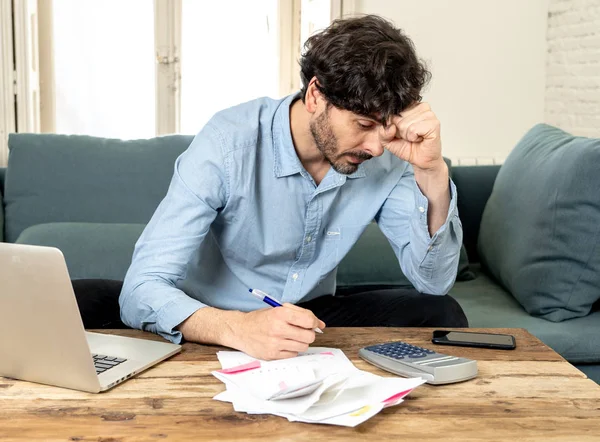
{"points": [[414, 136]]}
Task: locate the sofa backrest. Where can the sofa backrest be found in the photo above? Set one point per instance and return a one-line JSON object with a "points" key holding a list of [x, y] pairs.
{"points": [[68, 178], [474, 186]]}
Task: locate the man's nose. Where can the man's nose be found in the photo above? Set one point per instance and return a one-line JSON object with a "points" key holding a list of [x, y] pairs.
{"points": [[372, 145]]}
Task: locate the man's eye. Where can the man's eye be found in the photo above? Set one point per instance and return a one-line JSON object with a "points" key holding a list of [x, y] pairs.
{"points": [[365, 125]]}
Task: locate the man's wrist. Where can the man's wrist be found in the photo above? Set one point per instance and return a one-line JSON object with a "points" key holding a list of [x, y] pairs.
{"points": [[228, 333], [210, 325], [433, 181], [437, 167]]}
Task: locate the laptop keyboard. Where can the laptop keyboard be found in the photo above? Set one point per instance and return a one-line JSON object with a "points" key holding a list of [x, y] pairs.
{"points": [[103, 363]]}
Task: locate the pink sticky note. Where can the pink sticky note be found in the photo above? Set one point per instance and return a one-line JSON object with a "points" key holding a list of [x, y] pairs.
{"points": [[241, 368], [392, 399]]}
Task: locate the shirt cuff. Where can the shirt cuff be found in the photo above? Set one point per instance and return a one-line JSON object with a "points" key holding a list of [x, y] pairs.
{"points": [[421, 210], [174, 313]]}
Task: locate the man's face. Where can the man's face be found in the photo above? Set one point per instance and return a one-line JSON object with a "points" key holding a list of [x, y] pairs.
{"points": [[345, 139]]}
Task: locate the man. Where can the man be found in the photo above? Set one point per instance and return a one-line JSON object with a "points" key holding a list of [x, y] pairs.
{"points": [[272, 195]]}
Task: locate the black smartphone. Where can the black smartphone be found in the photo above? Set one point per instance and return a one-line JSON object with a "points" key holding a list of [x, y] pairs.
{"points": [[473, 339]]}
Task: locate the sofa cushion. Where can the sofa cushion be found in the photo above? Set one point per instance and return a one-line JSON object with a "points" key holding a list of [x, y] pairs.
{"points": [[474, 185], [592, 371], [372, 263], [540, 231], [91, 250], [60, 178], [488, 305]]}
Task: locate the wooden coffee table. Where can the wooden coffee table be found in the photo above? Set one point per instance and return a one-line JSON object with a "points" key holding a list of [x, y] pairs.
{"points": [[530, 393]]}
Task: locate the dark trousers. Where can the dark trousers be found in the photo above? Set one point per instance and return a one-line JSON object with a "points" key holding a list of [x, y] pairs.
{"points": [[99, 307]]}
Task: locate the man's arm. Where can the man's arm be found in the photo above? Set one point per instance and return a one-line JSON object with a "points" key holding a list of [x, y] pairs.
{"points": [[429, 253], [429, 261], [271, 333], [150, 299], [434, 184]]}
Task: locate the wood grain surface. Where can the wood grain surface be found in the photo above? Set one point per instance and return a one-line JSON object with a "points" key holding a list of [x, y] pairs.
{"points": [[526, 394]]}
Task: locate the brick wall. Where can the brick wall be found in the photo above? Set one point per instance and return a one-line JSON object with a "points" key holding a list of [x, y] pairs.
{"points": [[572, 99]]}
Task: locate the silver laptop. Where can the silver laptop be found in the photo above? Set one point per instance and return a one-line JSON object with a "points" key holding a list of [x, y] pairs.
{"points": [[42, 338]]}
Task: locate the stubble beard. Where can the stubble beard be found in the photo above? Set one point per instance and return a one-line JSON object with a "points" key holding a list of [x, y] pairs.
{"points": [[327, 144]]}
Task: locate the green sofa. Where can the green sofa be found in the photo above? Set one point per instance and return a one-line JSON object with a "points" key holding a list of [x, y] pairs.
{"points": [[91, 197]]}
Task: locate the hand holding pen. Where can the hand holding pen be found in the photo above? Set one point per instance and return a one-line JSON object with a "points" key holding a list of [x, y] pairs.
{"points": [[273, 303], [272, 333]]}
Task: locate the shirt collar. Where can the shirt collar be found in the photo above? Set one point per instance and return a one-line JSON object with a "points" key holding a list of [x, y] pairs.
{"points": [[286, 161]]}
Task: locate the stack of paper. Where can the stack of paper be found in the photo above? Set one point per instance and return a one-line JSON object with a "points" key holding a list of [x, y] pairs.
{"points": [[318, 386]]}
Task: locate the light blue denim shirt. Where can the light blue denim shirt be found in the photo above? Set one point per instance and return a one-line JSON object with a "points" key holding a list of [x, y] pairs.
{"points": [[242, 212]]}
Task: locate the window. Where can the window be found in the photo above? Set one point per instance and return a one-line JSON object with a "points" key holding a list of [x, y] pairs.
{"points": [[316, 15], [140, 68], [104, 67], [226, 58]]}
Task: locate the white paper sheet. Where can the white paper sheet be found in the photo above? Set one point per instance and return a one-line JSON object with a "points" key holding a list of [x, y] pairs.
{"points": [[318, 386]]}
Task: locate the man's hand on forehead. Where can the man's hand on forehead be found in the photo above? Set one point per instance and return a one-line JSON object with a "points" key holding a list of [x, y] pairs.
{"points": [[414, 136]]}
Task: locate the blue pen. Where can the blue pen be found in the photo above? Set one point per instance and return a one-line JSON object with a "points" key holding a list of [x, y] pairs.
{"points": [[265, 298]]}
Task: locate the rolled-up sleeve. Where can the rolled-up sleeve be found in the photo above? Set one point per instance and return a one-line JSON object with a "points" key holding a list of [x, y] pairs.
{"points": [[429, 262], [150, 299]]}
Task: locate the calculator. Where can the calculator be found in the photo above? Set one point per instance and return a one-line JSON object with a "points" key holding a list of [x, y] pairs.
{"points": [[409, 360]]}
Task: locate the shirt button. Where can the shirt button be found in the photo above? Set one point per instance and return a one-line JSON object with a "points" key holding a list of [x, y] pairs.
{"points": [[429, 248], [295, 276], [308, 238], [421, 209]]}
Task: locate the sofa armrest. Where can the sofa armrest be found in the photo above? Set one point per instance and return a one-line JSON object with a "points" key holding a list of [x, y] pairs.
{"points": [[2, 177], [474, 185]]}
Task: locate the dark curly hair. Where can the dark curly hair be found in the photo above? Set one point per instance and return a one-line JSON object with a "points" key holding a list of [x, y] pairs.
{"points": [[364, 65]]}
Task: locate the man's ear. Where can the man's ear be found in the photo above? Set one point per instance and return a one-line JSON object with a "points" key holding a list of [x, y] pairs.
{"points": [[313, 98]]}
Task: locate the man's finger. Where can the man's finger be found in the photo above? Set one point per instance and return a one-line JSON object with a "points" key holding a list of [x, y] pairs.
{"points": [[304, 319], [292, 306], [411, 128], [320, 323], [421, 130], [286, 354], [295, 333], [294, 346]]}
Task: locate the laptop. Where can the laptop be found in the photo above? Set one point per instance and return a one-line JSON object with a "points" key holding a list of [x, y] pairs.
{"points": [[42, 338]]}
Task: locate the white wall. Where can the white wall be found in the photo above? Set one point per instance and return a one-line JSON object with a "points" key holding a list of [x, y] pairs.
{"points": [[573, 71], [488, 59]]}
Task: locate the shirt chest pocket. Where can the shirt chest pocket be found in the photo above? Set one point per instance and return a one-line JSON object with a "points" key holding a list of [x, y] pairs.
{"points": [[329, 250], [336, 243]]}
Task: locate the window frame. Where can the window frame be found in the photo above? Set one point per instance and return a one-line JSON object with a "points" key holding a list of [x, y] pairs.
{"points": [[7, 80], [167, 48]]}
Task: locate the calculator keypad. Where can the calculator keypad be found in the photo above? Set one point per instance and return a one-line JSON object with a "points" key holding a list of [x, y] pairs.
{"points": [[400, 350]]}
